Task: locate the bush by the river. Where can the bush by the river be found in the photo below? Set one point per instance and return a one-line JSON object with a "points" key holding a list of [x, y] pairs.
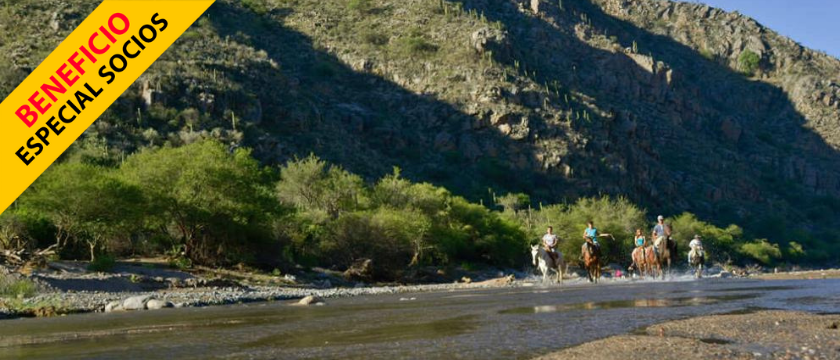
{"points": [[206, 203]]}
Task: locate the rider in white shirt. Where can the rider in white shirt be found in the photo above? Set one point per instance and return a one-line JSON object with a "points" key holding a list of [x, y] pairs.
{"points": [[549, 241], [695, 245]]}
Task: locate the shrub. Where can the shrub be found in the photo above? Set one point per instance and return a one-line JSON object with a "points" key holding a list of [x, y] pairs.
{"points": [[257, 6], [13, 234], [213, 201], [762, 251], [361, 6], [311, 185], [12, 287], [80, 199], [513, 202], [748, 62], [103, 263], [618, 217], [415, 45], [795, 251], [374, 37], [706, 53], [325, 69], [392, 238], [472, 232], [718, 242], [180, 263]]}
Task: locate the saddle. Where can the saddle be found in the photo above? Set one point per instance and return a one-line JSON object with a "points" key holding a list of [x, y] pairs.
{"points": [[553, 255], [697, 252], [592, 249]]}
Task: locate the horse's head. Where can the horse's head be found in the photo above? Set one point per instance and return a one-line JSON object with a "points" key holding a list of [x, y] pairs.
{"points": [[535, 250]]}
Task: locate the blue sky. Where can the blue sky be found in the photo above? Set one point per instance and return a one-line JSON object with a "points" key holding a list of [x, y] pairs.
{"points": [[812, 23]]}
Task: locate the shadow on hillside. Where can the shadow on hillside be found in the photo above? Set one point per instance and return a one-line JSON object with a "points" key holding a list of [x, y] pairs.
{"points": [[739, 139], [369, 124]]}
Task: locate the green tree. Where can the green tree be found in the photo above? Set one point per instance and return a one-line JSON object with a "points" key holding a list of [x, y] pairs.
{"points": [[762, 251], [86, 203], [513, 202], [12, 231], [795, 251], [310, 184], [720, 243], [618, 217], [214, 202], [393, 238]]}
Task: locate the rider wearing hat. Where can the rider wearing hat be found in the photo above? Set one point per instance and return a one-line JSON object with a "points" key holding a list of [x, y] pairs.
{"points": [[695, 245], [660, 232]]}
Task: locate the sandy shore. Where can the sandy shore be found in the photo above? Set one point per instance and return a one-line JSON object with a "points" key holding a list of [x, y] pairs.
{"points": [[758, 335], [801, 275]]}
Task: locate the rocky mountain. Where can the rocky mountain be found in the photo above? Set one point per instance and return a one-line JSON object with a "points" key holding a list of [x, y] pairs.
{"points": [[677, 106]]}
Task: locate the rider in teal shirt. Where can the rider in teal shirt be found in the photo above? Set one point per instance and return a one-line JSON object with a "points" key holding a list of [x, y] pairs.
{"points": [[590, 234]]}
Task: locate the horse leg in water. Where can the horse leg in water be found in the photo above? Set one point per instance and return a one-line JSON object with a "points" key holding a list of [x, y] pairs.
{"points": [[591, 263], [559, 265], [652, 262], [597, 271], [543, 270], [663, 265], [698, 260], [639, 262]]}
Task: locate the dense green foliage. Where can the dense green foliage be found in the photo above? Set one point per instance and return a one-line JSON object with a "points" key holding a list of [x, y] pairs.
{"points": [[748, 62], [205, 203], [86, 203], [211, 202], [103, 263], [466, 95], [395, 222]]}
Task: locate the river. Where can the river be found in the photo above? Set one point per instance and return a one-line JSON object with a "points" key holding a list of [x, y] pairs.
{"points": [[502, 323]]}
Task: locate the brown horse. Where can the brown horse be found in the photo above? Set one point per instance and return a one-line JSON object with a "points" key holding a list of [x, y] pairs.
{"points": [[639, 262], [592, 262], [666, 252], [654, 267]]}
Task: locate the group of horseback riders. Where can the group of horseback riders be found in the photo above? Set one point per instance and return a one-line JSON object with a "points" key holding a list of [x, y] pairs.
{"points": [[647, 258]]}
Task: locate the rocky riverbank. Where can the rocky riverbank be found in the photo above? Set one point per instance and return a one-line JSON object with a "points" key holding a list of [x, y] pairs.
{"points": [[759, 335], [67, 287]]}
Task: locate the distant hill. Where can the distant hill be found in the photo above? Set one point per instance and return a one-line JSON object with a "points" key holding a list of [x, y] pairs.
{"points": [[678, 106]]}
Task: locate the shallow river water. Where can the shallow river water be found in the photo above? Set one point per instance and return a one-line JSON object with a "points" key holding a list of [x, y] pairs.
{"points": [[503, 323]]}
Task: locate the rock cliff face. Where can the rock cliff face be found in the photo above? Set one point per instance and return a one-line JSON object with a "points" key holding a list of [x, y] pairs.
{"points": [[654, 100]]}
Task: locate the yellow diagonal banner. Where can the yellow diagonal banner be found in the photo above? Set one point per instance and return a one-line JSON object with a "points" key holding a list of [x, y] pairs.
{"points": [[80, 79]]}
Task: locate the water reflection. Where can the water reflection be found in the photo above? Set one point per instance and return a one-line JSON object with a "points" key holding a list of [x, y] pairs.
{"points": [[636, 303]]}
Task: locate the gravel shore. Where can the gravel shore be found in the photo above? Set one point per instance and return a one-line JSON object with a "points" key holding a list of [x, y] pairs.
{"points": [[759, 335], [69, 288]]}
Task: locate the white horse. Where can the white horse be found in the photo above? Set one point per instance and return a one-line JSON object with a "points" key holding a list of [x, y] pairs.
{"points": [[543, 261], [696, 258]]}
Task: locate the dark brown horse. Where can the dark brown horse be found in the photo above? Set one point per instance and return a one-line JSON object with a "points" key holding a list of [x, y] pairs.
{"points": [[592, 262], [654, 267]]}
